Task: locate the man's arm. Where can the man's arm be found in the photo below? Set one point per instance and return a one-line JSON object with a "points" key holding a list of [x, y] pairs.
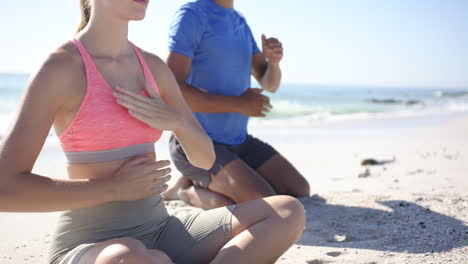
{"points": [[251, 103], [265, 65]]}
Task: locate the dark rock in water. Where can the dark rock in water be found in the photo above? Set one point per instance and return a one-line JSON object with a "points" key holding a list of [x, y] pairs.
{"points": [[394, 101], [373, 162], [453, 94], [413, 102], [384, 101]]}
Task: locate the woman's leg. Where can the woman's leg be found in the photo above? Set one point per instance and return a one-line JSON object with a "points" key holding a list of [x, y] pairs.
{"points": [[257, 232], [123, 250], [263, 230]]}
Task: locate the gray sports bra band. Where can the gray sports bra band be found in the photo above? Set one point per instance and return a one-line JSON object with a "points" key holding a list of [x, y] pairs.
{"points": [[108, 155]]}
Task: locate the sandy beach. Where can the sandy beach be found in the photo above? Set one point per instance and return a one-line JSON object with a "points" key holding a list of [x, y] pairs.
{"points": [[413, 209]]}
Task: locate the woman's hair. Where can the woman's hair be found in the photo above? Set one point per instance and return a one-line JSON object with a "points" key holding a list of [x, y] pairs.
{"points": [[85, 7]]}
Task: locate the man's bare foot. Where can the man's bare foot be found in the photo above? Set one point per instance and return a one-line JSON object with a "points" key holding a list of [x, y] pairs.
{"points": [[172, 193]]}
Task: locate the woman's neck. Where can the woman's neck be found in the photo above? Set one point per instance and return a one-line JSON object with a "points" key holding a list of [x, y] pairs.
{"points": [[106, 36], [225, 3]]}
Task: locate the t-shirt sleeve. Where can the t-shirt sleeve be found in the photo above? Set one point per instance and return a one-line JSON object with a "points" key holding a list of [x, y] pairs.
{"points": [[186, 32], [255, 48]]}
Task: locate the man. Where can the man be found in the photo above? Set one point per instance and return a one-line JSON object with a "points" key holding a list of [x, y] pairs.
{"points": [[212, 55]]}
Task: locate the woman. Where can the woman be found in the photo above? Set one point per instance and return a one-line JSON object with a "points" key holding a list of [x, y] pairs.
{"points": [[114, 211], [213, 55]]}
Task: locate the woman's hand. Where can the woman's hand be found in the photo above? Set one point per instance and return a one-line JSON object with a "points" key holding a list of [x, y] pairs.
{"points": [[151, 111], [138, 178]]}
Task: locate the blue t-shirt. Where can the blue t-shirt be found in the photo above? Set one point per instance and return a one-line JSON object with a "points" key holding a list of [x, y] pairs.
{"points": [[221, 46]]}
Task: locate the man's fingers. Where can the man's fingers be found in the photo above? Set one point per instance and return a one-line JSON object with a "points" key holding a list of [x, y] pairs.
{"points": [[277, 55], [264, 38], [271, 41], [265, 98], [275, 46], [255, 90]]}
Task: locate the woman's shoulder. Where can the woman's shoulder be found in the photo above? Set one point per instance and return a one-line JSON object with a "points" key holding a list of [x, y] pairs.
{"points": [[161, 72], [154, 62], [64, 58], [61, 71]]}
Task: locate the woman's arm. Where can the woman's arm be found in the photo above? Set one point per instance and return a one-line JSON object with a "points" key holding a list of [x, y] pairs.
{"points": [[23, 191], [196, 144]]}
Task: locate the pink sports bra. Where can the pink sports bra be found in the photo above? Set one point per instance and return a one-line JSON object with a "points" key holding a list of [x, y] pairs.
{"points": [[102, 130]]}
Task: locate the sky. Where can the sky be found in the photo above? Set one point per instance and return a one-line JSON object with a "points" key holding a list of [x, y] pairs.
{"points": [[404, 43]]}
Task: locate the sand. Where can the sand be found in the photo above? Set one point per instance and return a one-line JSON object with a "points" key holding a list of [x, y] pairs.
{"points": [[413, 210]]}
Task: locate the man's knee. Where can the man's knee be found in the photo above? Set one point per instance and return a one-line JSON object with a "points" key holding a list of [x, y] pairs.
{"points": [[300, 190], [249, 194], [221, 202]]}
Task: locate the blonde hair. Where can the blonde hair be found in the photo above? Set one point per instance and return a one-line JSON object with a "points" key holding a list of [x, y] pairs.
{"points": [[85, 7]]}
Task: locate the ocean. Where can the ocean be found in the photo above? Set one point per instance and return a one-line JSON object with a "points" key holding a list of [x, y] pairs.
{"points": [[307, 103]]}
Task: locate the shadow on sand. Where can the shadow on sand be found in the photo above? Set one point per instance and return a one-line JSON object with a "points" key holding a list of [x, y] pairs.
{"points": [[405, 227]]}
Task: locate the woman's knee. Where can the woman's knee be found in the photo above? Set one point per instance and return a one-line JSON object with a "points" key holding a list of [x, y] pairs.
{"points": [[128, 250], [291, 211], [160, 257]]}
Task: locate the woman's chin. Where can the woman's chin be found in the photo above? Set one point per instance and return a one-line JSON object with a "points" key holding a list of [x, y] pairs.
{"points": [[139, 18], [136, 16]]}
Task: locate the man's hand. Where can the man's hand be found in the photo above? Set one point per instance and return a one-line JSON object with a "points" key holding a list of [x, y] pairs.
{"points": [[272, 49], [253, 103]]}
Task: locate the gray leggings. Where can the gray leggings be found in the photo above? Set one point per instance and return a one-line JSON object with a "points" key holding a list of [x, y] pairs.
{"points": [[185, 238]]}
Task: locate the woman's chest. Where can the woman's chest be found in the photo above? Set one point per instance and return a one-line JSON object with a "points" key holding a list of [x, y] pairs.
{"points": [[126, 74]]}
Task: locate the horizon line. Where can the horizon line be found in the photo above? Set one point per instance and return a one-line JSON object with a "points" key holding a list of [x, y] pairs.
{"points": [[382, 86]]}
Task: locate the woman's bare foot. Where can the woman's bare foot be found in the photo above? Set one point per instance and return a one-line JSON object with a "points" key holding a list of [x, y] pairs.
{"points": [[172, 193]]}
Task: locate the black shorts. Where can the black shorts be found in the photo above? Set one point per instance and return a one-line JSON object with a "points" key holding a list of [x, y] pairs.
{"points": [[252, 151]]}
